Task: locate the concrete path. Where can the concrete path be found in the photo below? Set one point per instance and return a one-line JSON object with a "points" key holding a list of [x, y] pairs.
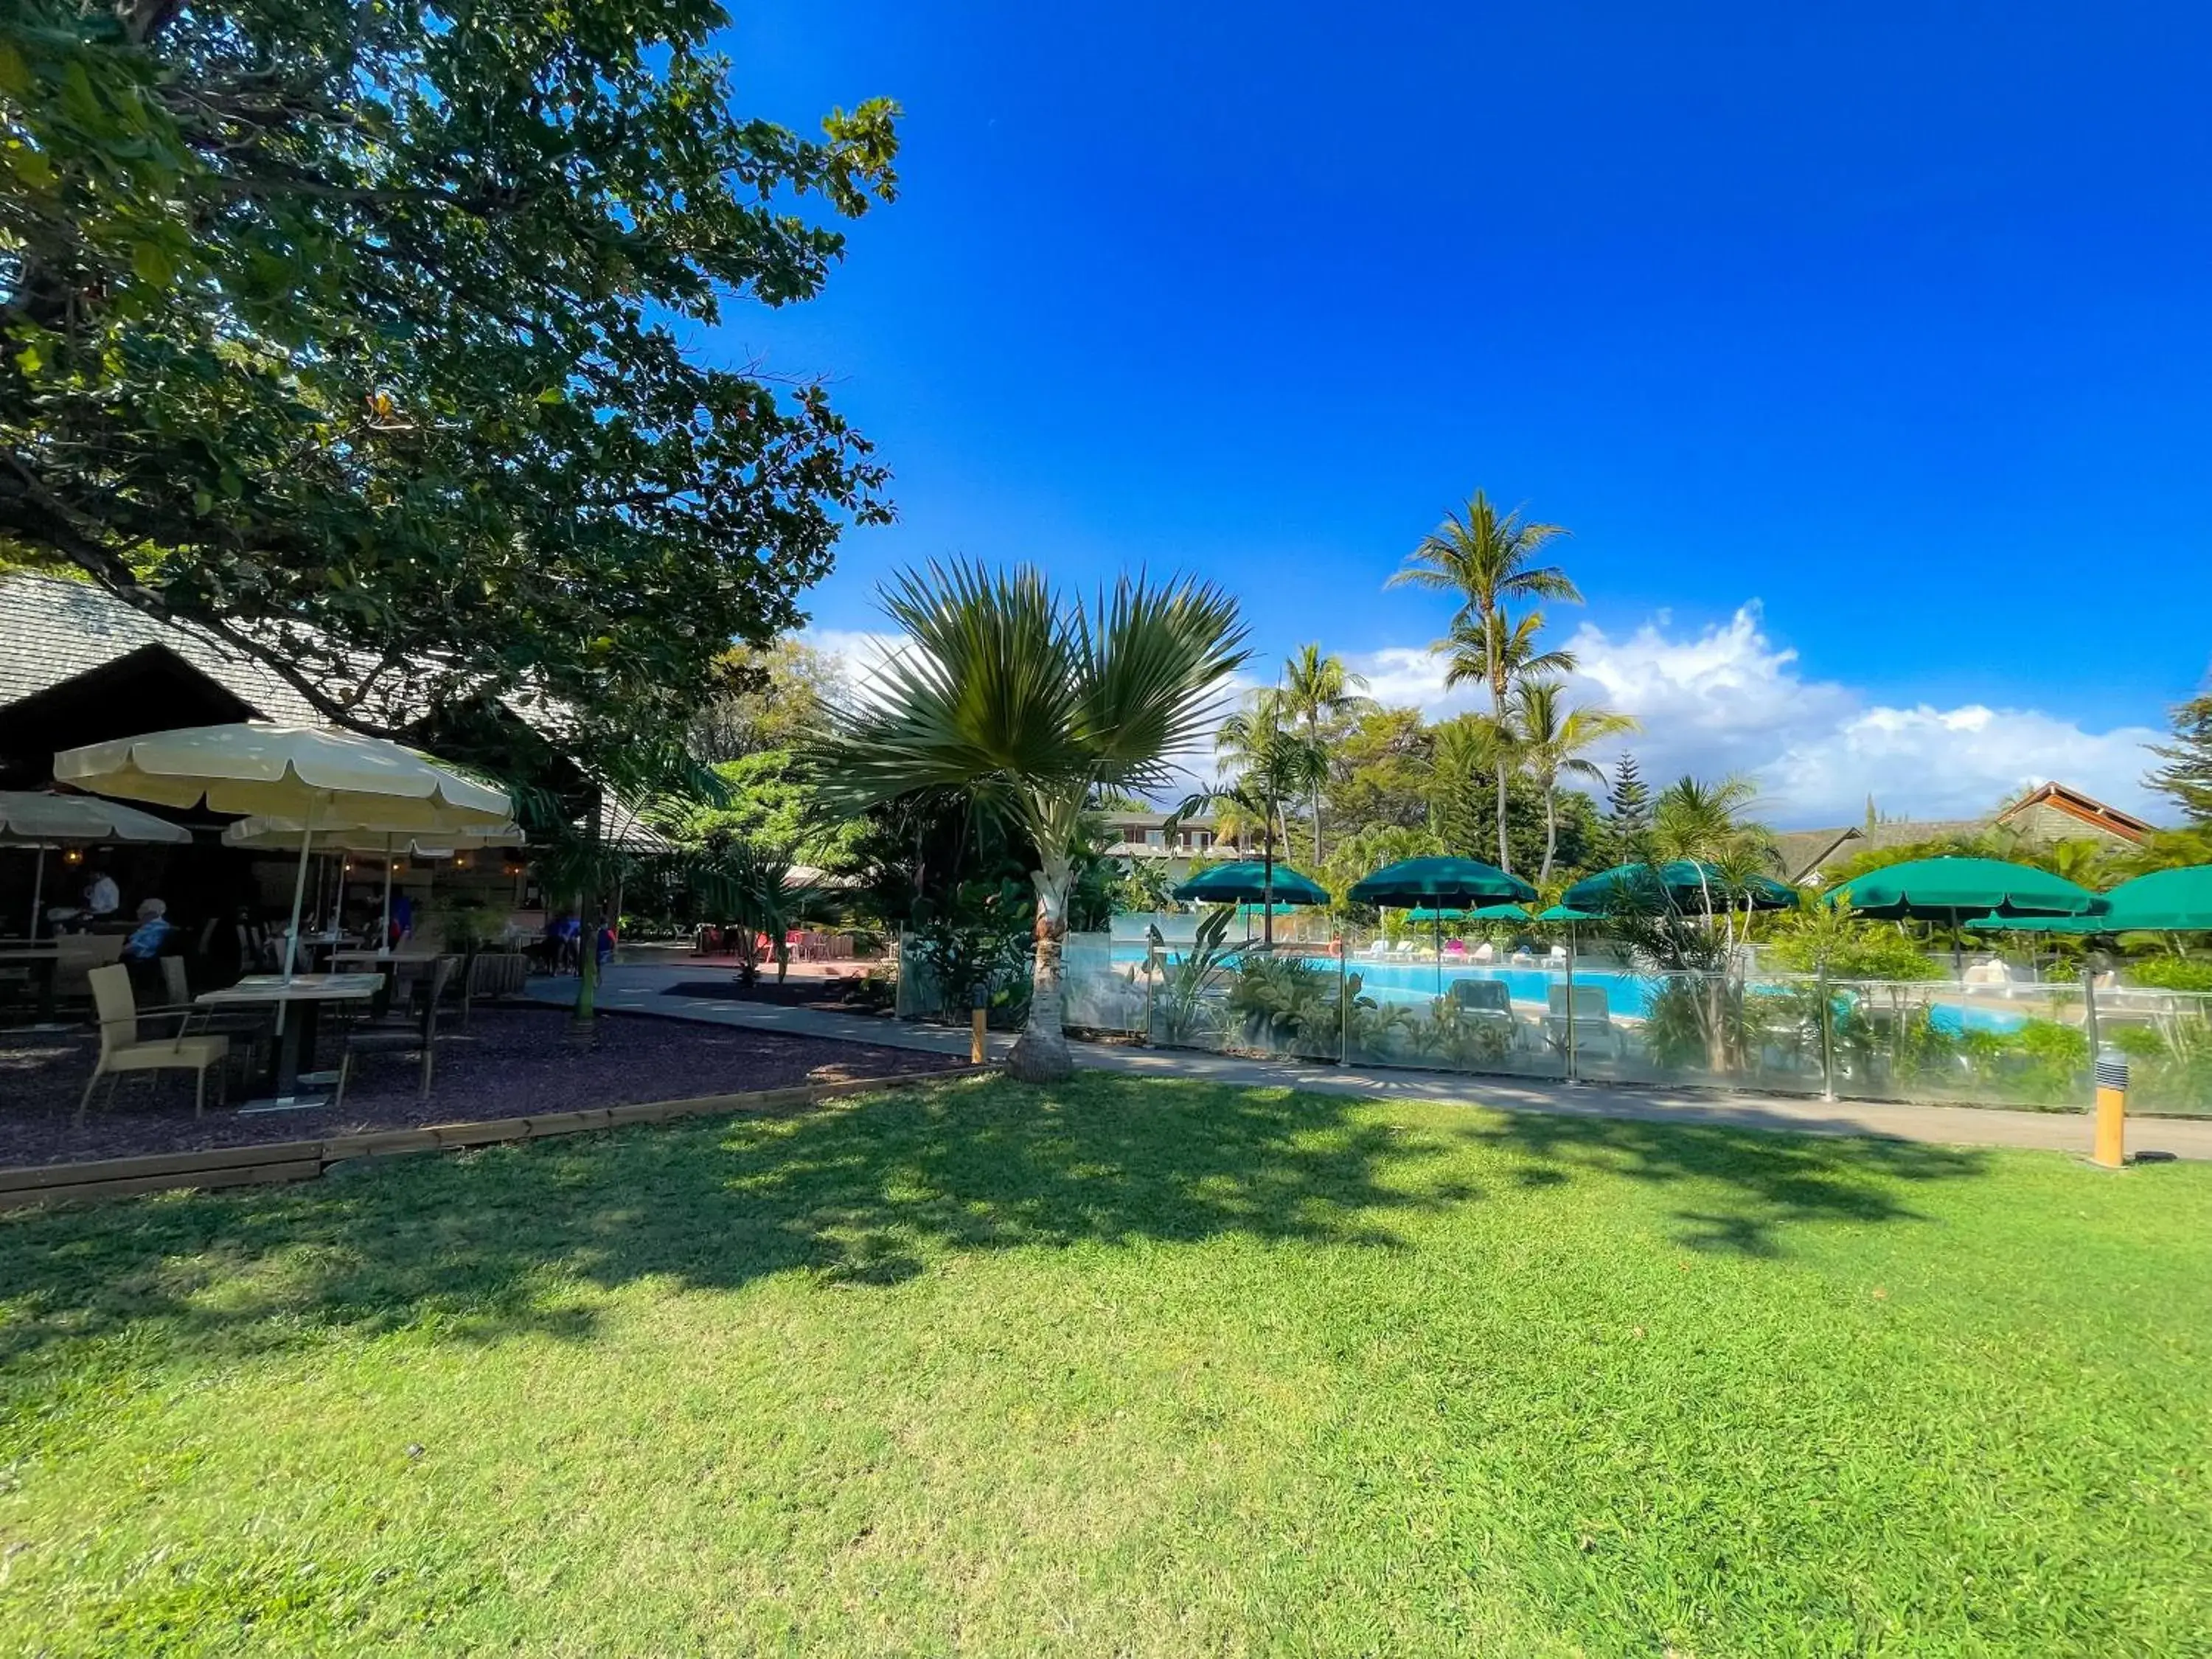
{"points": [[641, 989]]}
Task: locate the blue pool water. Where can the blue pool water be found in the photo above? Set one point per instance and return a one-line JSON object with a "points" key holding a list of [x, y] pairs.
{"points": [[1626, 994]]}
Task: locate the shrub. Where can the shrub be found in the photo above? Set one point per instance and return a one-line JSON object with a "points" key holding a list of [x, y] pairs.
{"points": [[2170, 974]]}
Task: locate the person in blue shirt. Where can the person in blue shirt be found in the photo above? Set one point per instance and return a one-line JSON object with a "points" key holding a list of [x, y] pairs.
{"points": [[151, 933]]}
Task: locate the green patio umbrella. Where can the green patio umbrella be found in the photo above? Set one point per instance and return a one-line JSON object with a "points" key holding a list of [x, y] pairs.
{"points": [[2166, 902], [1684, 881], [1958, 892], [1433, 884], [1567, 912], [2099, 923], [1440, 881], [1249, 882], [1430, 913], [1252, 882]]}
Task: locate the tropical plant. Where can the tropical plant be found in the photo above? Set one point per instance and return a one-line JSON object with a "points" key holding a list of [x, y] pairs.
{"points": [[1833, 940], [1183, 1008], [1317, 691], [1489, 561], [1028, 704], [1458, 1039], [1549, 738], [2170, 974], [975, 942], [746, 888], [1286, 1002], [1373, 1028]]}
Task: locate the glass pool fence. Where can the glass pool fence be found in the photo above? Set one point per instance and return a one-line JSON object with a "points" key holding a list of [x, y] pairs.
{"points": [[1998, 1038]]}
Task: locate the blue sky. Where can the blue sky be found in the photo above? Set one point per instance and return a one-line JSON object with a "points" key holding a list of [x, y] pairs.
{"points": [[1864, 349]]}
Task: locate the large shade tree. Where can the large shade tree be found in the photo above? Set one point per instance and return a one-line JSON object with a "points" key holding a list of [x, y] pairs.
{"points": [[1029, 703], [356, 335], [1488, 560]]}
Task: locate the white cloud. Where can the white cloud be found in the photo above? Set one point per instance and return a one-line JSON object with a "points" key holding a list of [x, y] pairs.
{"points": [[1727, 699]]}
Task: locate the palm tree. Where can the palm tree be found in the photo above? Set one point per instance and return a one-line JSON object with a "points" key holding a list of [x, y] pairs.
{"points": [[1549, 740], [1028, 703], [1489, 561], [1709, 822], [1317, 688], [1279, 767]]}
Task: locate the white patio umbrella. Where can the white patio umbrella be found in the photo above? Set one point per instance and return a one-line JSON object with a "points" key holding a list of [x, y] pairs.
{"points": [[318, 776], [285, 833], [40, 820]]}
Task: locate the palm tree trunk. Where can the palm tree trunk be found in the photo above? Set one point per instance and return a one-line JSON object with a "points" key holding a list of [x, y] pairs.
{"points": [[1267, 896], [1041, 1055], [1317, 815], [1551, 831], [1498, 716]]}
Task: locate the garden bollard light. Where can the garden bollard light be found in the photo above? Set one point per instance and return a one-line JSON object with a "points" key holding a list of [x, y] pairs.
{"points": [[979, 1049], [2111, 1110]]}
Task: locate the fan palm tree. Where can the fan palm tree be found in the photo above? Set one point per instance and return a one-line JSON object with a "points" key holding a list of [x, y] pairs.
{"points": [[1317, 688], [1549, 738], [1028, 703], [1490, 561]]}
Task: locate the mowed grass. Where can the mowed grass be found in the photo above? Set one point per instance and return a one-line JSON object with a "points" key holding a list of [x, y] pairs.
{"points": [[1126, 1367]]}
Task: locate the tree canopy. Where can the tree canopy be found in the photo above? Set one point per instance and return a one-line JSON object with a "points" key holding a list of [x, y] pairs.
{"points": [[354, 334]]}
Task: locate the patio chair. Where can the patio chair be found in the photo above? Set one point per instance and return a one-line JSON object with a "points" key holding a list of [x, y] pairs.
{"points": [[403, 1033], [123, 1049], [1593, 1030], [246, 1028], [1486, 1002], [1485, 952]]}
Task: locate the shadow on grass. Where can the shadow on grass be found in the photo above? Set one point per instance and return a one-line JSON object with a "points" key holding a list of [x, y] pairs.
{"points": [[865, 1194], [1770, 1182]]}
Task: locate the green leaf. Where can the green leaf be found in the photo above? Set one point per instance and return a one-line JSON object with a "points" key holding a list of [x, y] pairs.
{"points": [[152, 265], [15, 73]]}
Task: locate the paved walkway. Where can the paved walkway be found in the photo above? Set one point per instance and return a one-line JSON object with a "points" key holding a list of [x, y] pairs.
{"points": [[641, 989]]}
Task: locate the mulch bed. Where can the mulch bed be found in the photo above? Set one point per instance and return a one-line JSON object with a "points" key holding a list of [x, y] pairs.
{"points": [[511, 1062]]}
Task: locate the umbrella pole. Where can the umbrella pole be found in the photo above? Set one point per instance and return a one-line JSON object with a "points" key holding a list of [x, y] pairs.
{"points": [[299, 898], [38, 892], [1436, 949]]}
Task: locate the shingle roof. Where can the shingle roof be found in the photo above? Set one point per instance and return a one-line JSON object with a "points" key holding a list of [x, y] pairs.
{"points": [[52, 630]]}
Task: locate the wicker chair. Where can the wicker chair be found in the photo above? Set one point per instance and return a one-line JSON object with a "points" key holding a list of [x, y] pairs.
{"points": [[123, 1049], [401, 1033]]}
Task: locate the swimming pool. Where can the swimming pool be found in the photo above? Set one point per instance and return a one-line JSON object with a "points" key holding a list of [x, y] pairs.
{"points": [[1627, 996]]}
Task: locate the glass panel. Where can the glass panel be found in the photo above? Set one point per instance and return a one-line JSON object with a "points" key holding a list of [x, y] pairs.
{"points": [[2166, 1036]]}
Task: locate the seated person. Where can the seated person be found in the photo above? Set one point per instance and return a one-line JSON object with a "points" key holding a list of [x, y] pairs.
{"points": [[152, 933]]}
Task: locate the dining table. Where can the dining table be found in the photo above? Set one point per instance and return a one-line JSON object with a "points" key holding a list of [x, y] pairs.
{"points": [[300, 1000]]}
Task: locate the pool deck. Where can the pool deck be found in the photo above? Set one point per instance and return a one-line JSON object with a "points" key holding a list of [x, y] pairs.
{"points": [[640, 988]]}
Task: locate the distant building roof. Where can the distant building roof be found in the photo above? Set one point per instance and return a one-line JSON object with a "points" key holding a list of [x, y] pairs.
{"points": [[52, 630], [2086, 810], [2051, 812]]}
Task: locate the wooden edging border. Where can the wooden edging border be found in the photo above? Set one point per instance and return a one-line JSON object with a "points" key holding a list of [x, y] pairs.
{"points": [[273, 1161]]}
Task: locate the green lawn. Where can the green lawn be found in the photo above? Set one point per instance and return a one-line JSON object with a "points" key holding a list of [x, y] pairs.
{"points": [[1126, 1367]]}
